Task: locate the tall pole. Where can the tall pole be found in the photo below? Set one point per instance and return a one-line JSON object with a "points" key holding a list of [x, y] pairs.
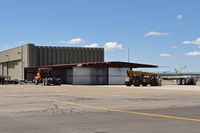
{"points": [[128, 54]]}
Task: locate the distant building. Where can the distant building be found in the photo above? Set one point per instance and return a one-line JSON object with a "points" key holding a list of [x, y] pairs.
{"points": [[13, 61]]}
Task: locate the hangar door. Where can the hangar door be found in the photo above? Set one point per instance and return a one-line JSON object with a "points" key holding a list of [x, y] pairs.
{"points": [[15, 69]]}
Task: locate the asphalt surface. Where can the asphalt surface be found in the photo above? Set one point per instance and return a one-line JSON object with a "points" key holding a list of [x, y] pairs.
{"points": [[99, 109], [102, 122]]}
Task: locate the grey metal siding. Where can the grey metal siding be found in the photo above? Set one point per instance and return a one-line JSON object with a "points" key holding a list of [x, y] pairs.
{"points": [[83, 55], [41, 56], [36, 57], [54, 55], [87, 55], [35, 53], [50, 62], [117, 75], [45, 55], [90, 76], [102, 55], [63, 55], [71, 55], [58, 52], [95, 55], [75, 55], [67, 55], [79, 58]]}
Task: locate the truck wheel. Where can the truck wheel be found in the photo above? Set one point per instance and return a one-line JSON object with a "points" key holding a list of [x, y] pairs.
{"points": [[128, 83], [44, 82], [59, 82], [48, 82], [137, 82], [160, 82], [179, 82], [153, 82], [194, 83], [144, 84], [183, 81], [36, 82]]}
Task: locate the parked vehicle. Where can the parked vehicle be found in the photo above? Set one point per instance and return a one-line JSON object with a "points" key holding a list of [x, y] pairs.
{"points": [[7, 80], [138, 78], [180, 77], [44, 76]]}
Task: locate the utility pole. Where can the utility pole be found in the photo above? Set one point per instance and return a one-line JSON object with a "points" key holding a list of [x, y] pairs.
{"points": [[128, 54]]}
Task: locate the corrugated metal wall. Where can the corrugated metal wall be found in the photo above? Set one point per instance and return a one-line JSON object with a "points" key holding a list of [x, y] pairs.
{"points": [[90, 76], [65, 75], [117, 76], [44, 55]]}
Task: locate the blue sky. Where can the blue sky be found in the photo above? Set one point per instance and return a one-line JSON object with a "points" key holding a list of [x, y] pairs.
{"points": [[162, 32]]}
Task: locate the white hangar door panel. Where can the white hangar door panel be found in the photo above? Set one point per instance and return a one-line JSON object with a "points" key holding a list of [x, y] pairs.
{"points": [[116, 76], [14, 69]]}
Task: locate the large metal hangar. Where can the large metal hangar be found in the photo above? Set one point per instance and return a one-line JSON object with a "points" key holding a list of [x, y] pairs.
{"points": [[13, 61], [94, 73], [74, 65]]}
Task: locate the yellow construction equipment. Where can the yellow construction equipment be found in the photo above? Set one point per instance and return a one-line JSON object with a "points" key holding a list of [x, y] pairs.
{"points": [[138, 78]]}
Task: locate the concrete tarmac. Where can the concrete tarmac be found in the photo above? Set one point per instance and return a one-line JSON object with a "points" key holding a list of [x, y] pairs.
{"points": [[99, 109]]}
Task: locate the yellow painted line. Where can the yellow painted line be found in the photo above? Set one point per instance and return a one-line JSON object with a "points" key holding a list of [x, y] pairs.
{"points": [[133, 112], [120, 111]]}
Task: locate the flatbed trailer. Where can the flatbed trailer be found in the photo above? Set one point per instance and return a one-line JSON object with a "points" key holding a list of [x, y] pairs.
{"points": [[182, 79]]}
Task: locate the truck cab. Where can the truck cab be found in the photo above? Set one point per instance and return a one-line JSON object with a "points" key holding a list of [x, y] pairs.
{"points": [[44, 75]]}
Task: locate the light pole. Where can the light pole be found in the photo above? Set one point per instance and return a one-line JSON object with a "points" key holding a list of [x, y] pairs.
{"points": [[128, 54]]}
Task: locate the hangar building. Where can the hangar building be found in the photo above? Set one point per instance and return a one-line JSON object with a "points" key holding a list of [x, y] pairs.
{"points": [[94, 73], [13, 61], [74, 65]]}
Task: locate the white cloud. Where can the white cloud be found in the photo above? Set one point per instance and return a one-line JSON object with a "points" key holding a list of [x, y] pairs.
{"points": [[165, 55], [72, 41], [21, 42], [155, 33], [179, 17], [194, 53], [62, 41], [193, 42], [93, 45], [113, 46], [174, 47]]}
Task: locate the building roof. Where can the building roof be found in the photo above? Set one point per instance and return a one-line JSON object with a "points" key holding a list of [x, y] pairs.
{"points": [[116, 64], [101, 64]]}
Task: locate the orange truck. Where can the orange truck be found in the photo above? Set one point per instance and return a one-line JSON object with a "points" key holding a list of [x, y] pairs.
{"points": [[44, 76]]}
